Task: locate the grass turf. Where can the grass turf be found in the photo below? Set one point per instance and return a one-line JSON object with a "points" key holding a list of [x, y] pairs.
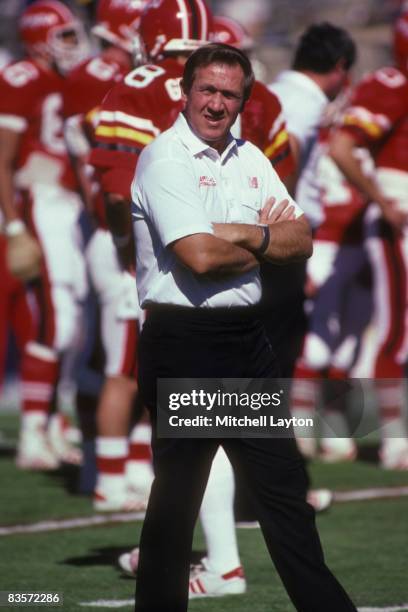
{"points": [[364, 542]]}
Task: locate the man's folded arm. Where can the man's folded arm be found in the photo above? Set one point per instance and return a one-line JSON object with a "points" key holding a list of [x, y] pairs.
{"points": [[290, 240], [207, 255]]}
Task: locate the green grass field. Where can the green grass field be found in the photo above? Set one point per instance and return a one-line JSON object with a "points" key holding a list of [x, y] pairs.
{"points": [[365, 542]]}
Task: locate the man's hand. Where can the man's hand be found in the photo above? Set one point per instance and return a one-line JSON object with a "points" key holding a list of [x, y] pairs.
{"points": [[282, 212], [290, 236], [391, 212], [232, 232], [125, 250], [23, 256]]}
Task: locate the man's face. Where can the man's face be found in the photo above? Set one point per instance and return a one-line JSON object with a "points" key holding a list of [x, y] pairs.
{"points": [[214, 101], [339, 78]]}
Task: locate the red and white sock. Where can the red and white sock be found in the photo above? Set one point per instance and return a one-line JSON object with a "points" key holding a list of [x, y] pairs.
{"points": [[139, 471], [39, 375], [111, 454]]}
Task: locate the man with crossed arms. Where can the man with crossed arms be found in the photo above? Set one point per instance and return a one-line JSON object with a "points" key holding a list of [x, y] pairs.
{"points": [[199, 197]]}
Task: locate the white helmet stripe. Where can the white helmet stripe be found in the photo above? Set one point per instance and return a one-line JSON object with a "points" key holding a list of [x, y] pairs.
{"points": [[204, 20], [183, 12], [58, 7]]}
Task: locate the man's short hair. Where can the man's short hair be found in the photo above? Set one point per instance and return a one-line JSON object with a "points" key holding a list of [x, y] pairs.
{"points": [[322, 46], [218, 53]]}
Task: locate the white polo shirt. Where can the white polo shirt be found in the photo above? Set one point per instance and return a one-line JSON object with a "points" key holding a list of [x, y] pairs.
{"points": [[182, 186], [303, 103]]}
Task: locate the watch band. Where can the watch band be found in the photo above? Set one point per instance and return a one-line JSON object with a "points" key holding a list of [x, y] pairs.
{"points": [[265, 240]]}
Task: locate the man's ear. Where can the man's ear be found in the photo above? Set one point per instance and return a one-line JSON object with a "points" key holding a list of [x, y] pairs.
{"points": [[184, 93]]}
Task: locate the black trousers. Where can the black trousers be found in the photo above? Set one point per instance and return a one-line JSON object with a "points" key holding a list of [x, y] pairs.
{"points": [[212, 344]]}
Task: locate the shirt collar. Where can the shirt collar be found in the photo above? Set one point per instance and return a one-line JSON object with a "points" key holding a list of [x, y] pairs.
{"points": [[302, 80], [196, 145]]}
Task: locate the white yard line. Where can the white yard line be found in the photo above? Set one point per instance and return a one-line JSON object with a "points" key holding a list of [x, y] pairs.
{"points": [[125, 603], [75, 523], [109, 603], [128, 517], [365, 494], [400, 608]]}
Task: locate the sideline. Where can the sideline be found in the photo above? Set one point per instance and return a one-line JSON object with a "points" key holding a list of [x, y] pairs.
{"points": [[125, 603], [128, 517]]}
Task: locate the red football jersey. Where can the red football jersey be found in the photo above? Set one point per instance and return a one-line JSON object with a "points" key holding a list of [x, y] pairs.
{"points": [[134, 112], [343, 205], [378, 117], [148, 101], [263, 124], [88, 84], [31, 100], [86, 87]]}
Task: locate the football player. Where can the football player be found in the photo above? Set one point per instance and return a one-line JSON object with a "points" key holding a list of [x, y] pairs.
{"points": [[377, 119], [262, 121], [124, 472], [40, 205], [335, 299], [133, 113]]}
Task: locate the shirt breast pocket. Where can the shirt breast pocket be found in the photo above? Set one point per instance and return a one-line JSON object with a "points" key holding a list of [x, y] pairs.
{"points": [[251, 205]]}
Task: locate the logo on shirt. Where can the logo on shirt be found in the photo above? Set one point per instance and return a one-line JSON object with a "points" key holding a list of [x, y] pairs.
{"points": [[207, 181], [253, 182]]}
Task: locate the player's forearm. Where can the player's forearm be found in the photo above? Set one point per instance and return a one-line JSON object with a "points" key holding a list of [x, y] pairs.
{"points": [[84, 183], [118, 217], [341, 150], [9, 146], [7, 204], [289, 240], [120, 224]]}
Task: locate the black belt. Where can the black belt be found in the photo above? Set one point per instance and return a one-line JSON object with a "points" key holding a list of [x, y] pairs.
{"points": [[233, 313]]}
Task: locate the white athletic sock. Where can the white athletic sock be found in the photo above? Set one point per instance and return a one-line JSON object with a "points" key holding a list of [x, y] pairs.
{"points": [[139, 470], [33, 420], [111, 454], [217, 516]]}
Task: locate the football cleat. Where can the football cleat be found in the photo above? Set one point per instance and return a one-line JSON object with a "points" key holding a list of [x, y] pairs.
{"points": [[394, 454], [320, 499], [204, 582], [127, 502], [307, 447], [333, 450], [34, 451], [129, 561], [59, 441], [139, 477]]}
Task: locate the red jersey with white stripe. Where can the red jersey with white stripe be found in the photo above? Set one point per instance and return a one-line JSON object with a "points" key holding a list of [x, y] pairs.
{"points": [[148, 101], [263, 124], [343, 205], [378, 117], [31, 100], [134, 112], [87, 86]]}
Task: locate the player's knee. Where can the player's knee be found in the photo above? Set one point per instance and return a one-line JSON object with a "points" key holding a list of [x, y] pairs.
{"points": [[316, 353], [67, 318]]}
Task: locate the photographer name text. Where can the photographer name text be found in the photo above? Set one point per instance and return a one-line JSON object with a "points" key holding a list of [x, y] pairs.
{"points": [[241, 421]]}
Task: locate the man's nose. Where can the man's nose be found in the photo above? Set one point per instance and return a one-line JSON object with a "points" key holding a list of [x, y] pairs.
{"points": [[216, 102]]}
